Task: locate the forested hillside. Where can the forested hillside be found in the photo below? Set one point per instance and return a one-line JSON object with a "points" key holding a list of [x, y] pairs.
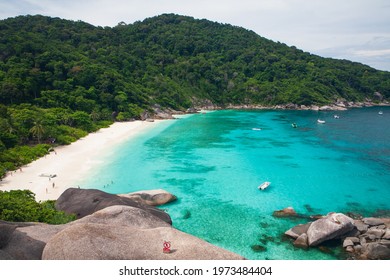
{"points": [[61, 79]]}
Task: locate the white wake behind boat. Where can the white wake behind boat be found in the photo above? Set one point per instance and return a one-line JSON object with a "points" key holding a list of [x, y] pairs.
{"points": [[264, 185]]}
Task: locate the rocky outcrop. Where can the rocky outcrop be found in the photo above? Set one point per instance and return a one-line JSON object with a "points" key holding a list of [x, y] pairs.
{"points": [[286, 212], [332, 226], [366, 238], [120, 215], [298, 230], [151, 197], [113, 232], [25, 241], [83, 202], [106, 242], [340, 105], [302, 241]]}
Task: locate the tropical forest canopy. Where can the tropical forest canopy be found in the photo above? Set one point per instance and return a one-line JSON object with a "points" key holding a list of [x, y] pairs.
{"points": [[61, 79]]}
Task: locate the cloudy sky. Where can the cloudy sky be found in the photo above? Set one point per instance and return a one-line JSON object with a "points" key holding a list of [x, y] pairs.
{"points": [[357, 30]]}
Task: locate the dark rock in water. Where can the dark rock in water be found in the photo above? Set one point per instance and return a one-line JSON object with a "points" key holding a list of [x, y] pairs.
{"points": [[258, 248], [309, 208], [186, 214], [332, 226], [325, 249], [83, 202], [264, 225], [381, 213], [353, 215], [266, 238], [286, 212]]}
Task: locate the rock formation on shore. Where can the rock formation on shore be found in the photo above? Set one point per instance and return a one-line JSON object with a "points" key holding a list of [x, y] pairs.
{"points": [[366, 238], [109, 227]]}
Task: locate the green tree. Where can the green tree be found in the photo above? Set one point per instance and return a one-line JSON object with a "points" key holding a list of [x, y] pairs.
{"points": [[20, 206], [38, 130]]}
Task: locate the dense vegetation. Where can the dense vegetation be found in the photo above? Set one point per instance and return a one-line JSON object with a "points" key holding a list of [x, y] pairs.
{"points": [[61, 79], [20, 206]]}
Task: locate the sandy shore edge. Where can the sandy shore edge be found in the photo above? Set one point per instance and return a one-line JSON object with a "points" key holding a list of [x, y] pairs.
{"points": [[71, 163]]}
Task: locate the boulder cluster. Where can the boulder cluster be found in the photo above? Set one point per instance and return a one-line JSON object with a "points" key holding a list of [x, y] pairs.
{"points": [[108, 227], [366, 238]]}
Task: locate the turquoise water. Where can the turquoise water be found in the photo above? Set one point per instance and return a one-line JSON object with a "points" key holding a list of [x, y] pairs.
{"points": [[214, 162]]}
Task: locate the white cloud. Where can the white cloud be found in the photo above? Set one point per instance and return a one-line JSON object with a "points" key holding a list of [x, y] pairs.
{"points": [[371, 53]]}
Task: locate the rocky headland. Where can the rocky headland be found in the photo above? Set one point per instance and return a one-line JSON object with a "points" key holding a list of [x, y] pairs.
{"points": [[158, 112], [108, 227], [360, 238]]}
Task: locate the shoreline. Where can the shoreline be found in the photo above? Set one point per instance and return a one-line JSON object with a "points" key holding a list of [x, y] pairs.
{"points": [[342, 106], [72, 162]]}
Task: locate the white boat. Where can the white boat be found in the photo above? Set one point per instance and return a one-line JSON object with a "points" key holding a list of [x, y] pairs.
{"points": [[264, 185], [256, 128], [336, 116], [320, 121], [380, 113]]}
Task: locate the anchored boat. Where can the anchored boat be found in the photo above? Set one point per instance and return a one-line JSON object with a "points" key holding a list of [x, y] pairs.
{"points": [[264, 185]]}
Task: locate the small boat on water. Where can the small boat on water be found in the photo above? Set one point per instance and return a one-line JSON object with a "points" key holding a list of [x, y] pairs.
{"points": [[320, 121], [294, 125], [264, 185], [256, 128], [336, 116], [380, 113]]}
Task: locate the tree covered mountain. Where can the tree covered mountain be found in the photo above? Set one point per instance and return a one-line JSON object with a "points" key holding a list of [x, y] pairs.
{"points": [[60, 79]]}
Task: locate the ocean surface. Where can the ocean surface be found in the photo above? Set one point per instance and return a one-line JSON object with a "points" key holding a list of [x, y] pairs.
{"points": [[214, 162]]}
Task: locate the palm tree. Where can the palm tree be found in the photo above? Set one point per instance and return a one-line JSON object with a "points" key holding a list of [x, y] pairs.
{"points": [[37, 130]]}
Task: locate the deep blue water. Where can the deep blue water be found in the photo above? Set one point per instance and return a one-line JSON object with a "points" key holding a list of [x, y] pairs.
{"points": [[214, 162]]}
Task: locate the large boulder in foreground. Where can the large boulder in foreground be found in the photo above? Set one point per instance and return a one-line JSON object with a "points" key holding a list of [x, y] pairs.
{"points": [[122, 215], [151, 197], [25, 241], [332, 226], [83, 202], [106, 242]]}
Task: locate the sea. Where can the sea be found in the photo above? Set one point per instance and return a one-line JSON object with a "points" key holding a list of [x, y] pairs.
{"points": [[214, 162]]}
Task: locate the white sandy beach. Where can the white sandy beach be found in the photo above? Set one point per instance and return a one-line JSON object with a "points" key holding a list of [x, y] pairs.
{"points": [[72, 162]]}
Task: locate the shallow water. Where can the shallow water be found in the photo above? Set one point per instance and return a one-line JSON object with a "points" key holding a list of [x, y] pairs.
{"points": [[214, 162]]}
